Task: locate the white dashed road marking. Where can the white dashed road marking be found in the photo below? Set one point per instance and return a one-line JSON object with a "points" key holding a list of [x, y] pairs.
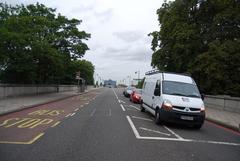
{"points": [[115, 94], [135, 107], [155, 131], [121, 101], [94, 110], [179, 137], [122, 107], [110, 112], [141, 118]]}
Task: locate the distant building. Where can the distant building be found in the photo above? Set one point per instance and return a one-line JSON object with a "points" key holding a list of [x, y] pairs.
{"points": [[110, 83], [134, 82]]}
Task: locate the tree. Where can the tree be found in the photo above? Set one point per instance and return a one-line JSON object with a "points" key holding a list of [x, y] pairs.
{"points": [[37, 45], [200, 37], [86, 69]]}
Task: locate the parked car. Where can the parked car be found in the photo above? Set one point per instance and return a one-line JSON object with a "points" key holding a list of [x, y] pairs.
{"points": [[136, 95], [174, 98], [127, 91]]}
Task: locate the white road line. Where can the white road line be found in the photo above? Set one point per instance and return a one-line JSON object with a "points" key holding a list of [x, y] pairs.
{"points": [[58, 122], [135, 107], [68, 115], [122, 101], [122, 107], [110, 112], [76, 109], [141, 118], [119, 101], [127, 108], [155, 131], [136, 133], [86, 103], [133, 127], [115, 93], [189, 140], [73, 114], [94, 110], [81, 105], [179, 137]]}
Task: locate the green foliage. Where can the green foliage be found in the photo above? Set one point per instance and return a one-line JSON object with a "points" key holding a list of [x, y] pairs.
{"points": [[86, 69], [200, 37], [39, 46]]}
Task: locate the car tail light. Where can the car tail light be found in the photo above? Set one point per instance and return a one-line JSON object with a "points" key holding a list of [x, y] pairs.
{"points": [[167, 105]]}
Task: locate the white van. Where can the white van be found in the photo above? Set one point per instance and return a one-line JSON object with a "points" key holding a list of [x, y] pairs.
{"points": [[172, 97]]}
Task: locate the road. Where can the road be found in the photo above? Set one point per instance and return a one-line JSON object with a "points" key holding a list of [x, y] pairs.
{"points": [[103, 125]]}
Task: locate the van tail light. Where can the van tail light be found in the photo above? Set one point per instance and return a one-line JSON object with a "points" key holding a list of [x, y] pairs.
{"points": [[167, 105]]}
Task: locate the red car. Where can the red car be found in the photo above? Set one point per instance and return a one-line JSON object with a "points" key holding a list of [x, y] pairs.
{"points": [[135, 96]]}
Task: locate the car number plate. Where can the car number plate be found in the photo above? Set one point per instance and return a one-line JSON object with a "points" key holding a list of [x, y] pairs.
{"points": [[187, 118]]}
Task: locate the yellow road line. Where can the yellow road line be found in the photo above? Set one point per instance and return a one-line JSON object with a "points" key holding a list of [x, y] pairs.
{"points": [[58, 122], [21, 142]]}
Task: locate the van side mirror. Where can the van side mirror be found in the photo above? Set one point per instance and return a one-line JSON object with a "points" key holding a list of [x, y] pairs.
{"points": [[202, 96], [157, 92]]}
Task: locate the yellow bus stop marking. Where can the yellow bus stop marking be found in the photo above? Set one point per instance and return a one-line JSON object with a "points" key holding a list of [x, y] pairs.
{"points": [[22, 142]]}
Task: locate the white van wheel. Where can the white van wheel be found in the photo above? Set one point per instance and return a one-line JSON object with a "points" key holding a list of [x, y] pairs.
{"points": [[157, 118]]}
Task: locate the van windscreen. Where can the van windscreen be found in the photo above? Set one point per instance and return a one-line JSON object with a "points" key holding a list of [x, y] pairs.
{"points": [[180, 89]]}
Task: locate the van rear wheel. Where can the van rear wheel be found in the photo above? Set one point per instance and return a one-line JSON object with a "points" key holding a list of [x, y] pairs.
{"points": [[158, 120]]}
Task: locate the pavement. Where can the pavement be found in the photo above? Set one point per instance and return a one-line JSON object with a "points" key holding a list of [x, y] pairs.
{"points": [[12, 104], [103, 125]]}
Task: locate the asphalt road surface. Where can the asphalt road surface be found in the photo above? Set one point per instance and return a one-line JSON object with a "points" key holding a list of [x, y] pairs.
{"points": [[103, 125]]}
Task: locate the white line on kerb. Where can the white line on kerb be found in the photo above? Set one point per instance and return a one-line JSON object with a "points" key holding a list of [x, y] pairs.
{"points": [[68, 115], [94, 110], [73, 114], [122, 107], [133, 127], [76, 109], [179, 137], [135, 107], [159, 132], [141, 118]]}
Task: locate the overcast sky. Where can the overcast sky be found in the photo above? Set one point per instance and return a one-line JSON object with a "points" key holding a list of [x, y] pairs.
{"points": [[119, 45]]}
